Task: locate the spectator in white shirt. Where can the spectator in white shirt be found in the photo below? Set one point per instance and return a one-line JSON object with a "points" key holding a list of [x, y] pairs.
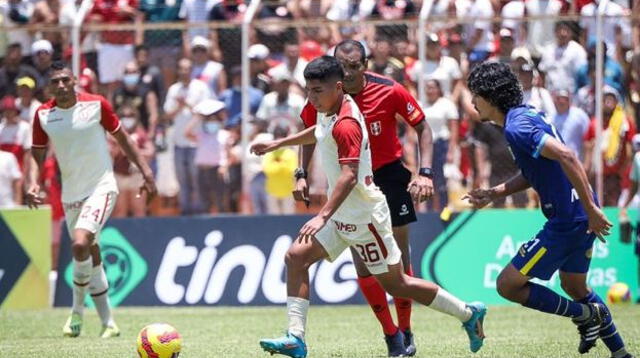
{"points": [[205, 69], [570, 121], [443, 120], [535, 96], [445, 69], [281, 106], [26, 102], [562, 59], [10, 181], [182, 97], [15, 134], [616, 27], [293, 65]]}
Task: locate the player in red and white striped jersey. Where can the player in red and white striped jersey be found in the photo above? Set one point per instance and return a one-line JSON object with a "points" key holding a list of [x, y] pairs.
{"points": [[76, 125]]}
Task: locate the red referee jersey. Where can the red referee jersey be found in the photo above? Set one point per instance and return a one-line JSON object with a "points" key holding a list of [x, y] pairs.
{"points": [[381, 102]]}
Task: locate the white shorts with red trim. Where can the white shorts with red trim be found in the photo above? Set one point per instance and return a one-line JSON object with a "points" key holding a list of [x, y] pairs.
{"points": [[374, 242], [90, 214]]}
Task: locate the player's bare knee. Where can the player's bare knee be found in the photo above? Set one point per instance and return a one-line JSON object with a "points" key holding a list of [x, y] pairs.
{"points": [[505, 287], [296, 259], [575, 290]]}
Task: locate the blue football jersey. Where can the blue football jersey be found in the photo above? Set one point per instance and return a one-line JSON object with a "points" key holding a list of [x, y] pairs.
{"points": [[526, 131]]}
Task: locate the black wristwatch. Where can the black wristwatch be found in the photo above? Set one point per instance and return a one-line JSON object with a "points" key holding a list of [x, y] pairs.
{"points": [[300, 173], [426, 172]]}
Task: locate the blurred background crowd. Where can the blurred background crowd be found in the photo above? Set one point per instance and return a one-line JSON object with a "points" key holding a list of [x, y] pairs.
{"points": [[172, 70]]}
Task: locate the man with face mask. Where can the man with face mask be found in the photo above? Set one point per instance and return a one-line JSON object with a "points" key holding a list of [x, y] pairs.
{"points": [[133, 93], [207, 129]]}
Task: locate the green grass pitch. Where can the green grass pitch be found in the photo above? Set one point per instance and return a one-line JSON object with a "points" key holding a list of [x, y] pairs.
{"points": [[333, 331]]}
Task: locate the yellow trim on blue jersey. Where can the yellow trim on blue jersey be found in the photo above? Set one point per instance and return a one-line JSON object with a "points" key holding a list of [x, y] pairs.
{"points": [[529, 265], [543, 140]]}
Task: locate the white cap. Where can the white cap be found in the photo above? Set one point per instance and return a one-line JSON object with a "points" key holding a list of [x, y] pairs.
{"points": [[281, 74], [41, 45], [258, 52], [521, 52], [608, 90], [200, 41], [208, 107]]}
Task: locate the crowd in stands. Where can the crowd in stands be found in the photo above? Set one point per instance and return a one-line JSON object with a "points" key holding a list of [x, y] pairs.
{"points": [[178, 91]]}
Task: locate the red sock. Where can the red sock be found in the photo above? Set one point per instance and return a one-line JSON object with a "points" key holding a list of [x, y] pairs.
{"points": [[403, 307], [377, 299]]}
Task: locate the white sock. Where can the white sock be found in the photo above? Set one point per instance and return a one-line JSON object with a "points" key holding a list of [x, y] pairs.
{"points": [[53, 278], [99, 290], [81, 276], [449, 304], [297, 309]]}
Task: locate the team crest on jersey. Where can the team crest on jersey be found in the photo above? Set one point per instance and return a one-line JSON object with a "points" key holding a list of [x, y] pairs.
{"points": [[410, 108], [376, 128]]}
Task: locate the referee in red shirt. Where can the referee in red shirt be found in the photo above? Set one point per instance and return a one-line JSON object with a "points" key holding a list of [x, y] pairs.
{"points": [[383, 101]]}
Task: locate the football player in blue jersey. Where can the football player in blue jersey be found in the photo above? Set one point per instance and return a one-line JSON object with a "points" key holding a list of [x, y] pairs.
{"points": [[567, 201]]}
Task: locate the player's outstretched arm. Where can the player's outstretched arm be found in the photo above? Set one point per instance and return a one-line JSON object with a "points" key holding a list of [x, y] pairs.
{"points": [[303, 137], [554, 149], [346, 182], [134, 156], [480, 198], [32, 197]]}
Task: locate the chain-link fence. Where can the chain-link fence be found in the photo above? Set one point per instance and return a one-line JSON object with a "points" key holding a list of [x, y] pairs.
{"points": [[158, 70]]}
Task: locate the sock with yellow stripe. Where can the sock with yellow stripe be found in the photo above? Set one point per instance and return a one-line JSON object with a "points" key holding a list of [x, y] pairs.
{"points": [[545, 300], [608, 331]]}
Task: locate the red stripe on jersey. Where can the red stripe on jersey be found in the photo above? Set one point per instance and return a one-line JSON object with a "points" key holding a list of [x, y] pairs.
{"points": [[39, 137], [381, 100], [348, 136], [378, 240], [104, 210]]}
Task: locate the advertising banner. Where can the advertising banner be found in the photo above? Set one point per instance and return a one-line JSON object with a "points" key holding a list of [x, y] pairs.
{"points": [[240, 260], [25, 258]]}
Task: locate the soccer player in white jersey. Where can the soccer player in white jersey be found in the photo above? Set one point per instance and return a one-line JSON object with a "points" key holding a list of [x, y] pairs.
{"points": [[76, 124], [356, 214]]}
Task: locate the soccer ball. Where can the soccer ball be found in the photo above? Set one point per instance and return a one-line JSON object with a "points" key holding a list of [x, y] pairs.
{"points": [[619, 293], [159, 340]]}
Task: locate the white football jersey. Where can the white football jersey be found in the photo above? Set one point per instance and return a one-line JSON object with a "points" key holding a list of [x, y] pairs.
{"points": [[78, 135], [365, 200]]}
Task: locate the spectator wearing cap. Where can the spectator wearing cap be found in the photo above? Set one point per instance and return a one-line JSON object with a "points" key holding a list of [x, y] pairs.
{"points": [[278, 167], [13, 69], [26, 102], [133, 93], [258, 66], [293, 65], [444, 69], [616, 151], [585, 97], [15, 134], [16, 13], [207, 130], [383, 63], [163, 47], [534, 95], [42, 58], [562, 59], [613, 75], [47, 13], [116, 47], [181, 99], [507, 44], [281, 107], [480, 43], [226, 41], [10, 181], [570, 121], [206, 70], [232, 97]]}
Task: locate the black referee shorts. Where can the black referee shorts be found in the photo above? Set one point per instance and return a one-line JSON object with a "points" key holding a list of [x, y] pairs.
{"points": [[393, 179]]}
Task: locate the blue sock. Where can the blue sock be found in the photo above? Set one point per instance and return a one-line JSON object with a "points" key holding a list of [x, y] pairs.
{"points": [[545, 300], [608, 333]]}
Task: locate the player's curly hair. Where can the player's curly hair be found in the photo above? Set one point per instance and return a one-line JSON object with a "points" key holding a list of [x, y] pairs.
{"points": [[497, 84]]}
